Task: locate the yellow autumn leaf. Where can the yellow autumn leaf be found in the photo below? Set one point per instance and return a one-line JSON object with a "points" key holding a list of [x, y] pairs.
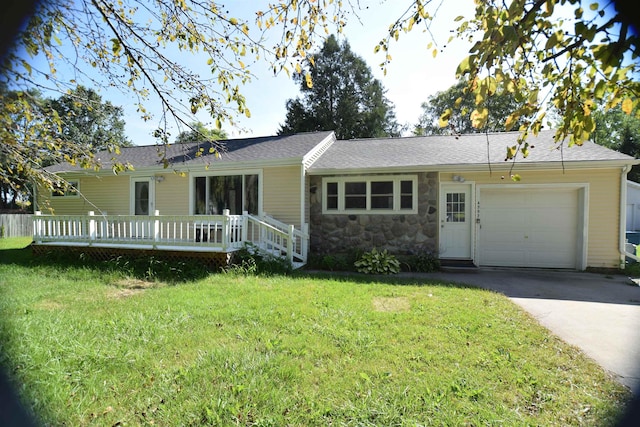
{"points": [[508, 124], [443, 121], [479, 118], [410, 24], [307, 78], [627, 106]]}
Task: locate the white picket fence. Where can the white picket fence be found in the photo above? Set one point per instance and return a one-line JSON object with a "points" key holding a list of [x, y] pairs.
{"points": [[173, 232]]}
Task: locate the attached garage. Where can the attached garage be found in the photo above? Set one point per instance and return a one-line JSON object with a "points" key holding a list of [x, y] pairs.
{"points": [[531, 226]]}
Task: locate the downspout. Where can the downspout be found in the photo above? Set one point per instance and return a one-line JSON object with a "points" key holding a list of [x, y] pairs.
{"points": [[304, 195], [623, 215]]}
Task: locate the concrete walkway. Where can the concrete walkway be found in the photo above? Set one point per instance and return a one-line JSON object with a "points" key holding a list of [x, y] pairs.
{"points": [[595, 312]]}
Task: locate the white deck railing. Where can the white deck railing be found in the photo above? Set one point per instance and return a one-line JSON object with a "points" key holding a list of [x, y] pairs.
{"points": [[173, 232], [275, 236]]}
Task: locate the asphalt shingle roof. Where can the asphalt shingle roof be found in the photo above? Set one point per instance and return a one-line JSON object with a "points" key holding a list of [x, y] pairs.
{"points": [[235, 150], [442, 150], [363, 154]]}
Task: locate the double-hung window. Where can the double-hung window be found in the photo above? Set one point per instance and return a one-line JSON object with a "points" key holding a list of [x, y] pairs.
{"points": [[379, 194]]}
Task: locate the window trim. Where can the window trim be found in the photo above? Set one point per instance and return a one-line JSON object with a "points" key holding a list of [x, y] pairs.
{"points": [[397, 194], [69, 194]]}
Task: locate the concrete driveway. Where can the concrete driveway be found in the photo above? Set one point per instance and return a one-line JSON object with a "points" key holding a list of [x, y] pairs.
{"points": [[596, 312]]}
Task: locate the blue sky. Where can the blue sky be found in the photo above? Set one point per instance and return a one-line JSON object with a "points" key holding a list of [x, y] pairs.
{"points": [[411, 78], [413, 75]]}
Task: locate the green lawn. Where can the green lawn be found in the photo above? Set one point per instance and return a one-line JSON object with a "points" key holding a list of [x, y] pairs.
{"points": [[95, 346]]}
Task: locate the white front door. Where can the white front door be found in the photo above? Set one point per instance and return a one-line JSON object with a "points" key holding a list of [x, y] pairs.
{"points": [[142, 200], [455, 221]]}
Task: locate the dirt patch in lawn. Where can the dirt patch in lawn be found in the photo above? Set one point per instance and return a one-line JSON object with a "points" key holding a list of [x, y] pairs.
{"points": [[135, 284], [391, 304], [130, 287]]}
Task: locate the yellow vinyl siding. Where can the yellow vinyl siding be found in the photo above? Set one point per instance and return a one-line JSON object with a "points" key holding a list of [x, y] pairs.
{"points": [[172, 195], [281, 197], [108, 194], [604, 220], [604, 204]]}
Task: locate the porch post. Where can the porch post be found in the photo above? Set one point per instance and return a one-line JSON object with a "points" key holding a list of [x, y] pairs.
{"points": [[92, 226], [225, 229], [37, 227], [156, 226], [245, 226], [305, 241], [290, 243]]}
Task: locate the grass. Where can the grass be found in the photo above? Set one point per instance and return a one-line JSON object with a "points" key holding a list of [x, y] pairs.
{"points": [[89, 346]]}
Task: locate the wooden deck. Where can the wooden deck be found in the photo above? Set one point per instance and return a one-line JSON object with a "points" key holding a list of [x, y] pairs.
{"points": [[213, 237]]}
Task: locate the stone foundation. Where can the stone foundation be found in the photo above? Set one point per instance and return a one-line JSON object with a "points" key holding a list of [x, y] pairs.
{"points": [[399, 234]]}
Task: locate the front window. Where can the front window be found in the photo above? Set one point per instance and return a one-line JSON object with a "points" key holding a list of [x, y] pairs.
{"points": [[374, 194], [237, 193], [332, 196], [355, 195], [382, 195]]}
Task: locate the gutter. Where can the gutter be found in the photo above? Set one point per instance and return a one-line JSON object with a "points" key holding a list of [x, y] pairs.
{"points": [[500, 167]]}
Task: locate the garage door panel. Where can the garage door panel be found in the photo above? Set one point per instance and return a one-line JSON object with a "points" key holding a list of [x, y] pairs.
{"points": [[509, 258], [528, 227]]}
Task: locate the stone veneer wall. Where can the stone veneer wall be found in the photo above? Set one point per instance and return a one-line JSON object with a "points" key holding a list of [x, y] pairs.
{"points": [[399, 234]]}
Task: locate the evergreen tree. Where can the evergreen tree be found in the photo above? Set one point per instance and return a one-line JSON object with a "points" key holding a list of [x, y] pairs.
{"points": [[339, 93]]}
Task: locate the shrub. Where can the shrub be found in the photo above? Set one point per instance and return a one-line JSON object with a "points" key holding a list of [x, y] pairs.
{"points": [[251, 260], [334, 262], [376, 262], [424, 262]]}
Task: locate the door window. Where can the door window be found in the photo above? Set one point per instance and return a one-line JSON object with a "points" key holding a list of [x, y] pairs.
{"points": [[142, 198], [455, 207]]}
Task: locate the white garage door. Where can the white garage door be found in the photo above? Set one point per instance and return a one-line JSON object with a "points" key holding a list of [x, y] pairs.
{"points": [[528, 227]]}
